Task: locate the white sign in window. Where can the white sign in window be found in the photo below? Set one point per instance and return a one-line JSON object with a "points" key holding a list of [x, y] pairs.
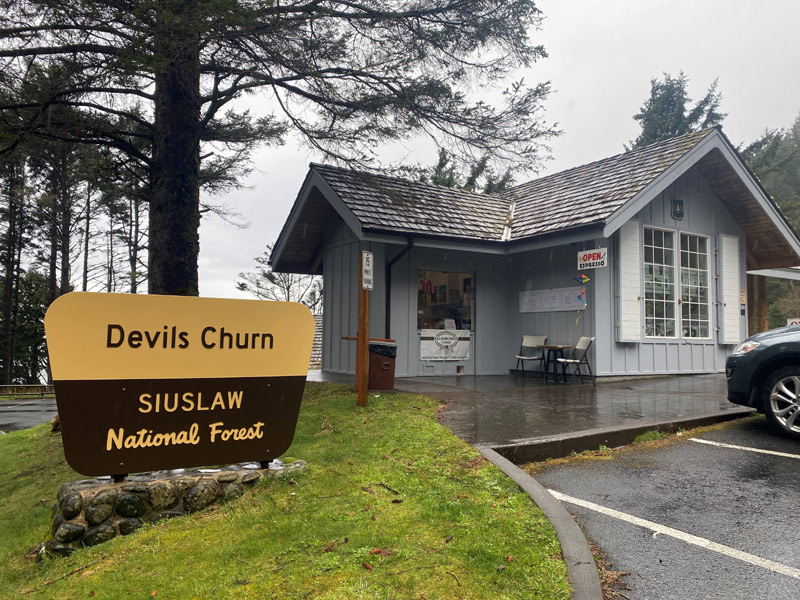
{"points": [[592, 259], [367, 270], [557, 299]]}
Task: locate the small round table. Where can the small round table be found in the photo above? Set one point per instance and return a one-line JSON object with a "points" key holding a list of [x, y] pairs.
{"points": [[554, 352]]}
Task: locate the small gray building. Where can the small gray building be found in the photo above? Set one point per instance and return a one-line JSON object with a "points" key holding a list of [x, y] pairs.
{"points": [[666, 235]]}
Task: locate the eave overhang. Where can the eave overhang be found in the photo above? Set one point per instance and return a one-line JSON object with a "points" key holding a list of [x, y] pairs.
{"points": [[298, 248]]}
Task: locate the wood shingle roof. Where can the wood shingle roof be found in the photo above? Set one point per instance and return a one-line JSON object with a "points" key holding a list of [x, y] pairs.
{"points": [[581, 196], [596, 197], [591, 193], [392, 204]]}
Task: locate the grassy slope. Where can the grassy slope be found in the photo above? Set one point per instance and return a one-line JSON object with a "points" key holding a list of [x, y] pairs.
{"points": [[461, 530]]}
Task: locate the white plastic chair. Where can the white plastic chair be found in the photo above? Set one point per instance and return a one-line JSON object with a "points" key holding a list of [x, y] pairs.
{"points": [[529, 351], [580, 356]]}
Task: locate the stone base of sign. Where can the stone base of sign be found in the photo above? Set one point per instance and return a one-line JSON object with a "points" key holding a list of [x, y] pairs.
{"points": [[91, 511]]}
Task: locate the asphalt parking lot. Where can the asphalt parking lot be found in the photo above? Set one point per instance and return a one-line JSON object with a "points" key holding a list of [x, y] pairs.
{"points": [[23, 413], [715, 516]]}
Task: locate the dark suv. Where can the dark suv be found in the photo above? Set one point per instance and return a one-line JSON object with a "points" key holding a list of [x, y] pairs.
{"points": [[764, 372]]}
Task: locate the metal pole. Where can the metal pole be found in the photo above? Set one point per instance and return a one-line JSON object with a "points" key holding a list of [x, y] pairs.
{"points": [[762, 309]]}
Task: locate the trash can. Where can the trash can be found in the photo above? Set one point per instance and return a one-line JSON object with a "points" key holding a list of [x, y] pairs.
{"points": [[382, 356]]}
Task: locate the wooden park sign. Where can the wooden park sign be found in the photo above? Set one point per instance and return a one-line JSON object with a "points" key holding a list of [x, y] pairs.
{"points": [[159, 382]]}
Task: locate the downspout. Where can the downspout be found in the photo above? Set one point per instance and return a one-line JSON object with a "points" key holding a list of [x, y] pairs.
{"points": [[389, 266]]}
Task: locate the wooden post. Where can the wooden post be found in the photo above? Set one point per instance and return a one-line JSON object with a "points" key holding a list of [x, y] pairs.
{"points": [[752, 318], [762, 310], [362, 336]]}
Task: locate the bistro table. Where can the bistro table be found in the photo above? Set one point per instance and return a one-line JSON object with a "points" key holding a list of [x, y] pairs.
{"points": [[554, 352]]}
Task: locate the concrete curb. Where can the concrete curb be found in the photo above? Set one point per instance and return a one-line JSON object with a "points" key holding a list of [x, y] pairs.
{"points": [[581, 568], [557, 446]]}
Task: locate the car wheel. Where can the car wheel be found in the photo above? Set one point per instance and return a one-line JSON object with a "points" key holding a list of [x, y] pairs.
{"points": [[781, 400]]}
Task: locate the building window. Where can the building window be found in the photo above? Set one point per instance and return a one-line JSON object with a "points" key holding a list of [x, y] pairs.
{"points": [[695, 322], [662, 292], [659, 282], [445, 300]]}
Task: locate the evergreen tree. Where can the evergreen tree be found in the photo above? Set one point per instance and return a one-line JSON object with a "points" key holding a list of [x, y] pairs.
{"points": [[266, 284], [775, 160], [345, 76], [481, 175], [666, 113]]}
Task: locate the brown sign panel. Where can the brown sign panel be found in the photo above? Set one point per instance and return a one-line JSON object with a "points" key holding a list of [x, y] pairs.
{"points": [[160, 382]]}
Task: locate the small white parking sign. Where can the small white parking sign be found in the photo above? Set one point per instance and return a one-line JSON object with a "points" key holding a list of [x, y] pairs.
{"points": [[367, 271]]}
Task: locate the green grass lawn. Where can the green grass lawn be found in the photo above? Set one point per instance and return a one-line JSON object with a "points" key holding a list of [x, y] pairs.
{"points": [[392, 506], [15, 397]]}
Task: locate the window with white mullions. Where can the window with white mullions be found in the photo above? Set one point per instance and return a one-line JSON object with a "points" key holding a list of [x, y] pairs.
{"points": [[659, 282], [695, 322]]}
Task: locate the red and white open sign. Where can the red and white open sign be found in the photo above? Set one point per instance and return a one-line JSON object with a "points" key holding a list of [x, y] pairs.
{"points": [[592, 259]]}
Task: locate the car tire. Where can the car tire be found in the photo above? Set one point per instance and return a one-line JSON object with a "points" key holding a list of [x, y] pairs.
{"points": [[781, 401]]}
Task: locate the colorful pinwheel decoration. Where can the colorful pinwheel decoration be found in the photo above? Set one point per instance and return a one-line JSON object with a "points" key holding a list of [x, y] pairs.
{"points": [[582, 296]]}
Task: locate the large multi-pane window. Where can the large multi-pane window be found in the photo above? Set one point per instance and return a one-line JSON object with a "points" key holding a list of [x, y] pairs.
{"points": [[694, 286], [661, 290], [659, 283]]}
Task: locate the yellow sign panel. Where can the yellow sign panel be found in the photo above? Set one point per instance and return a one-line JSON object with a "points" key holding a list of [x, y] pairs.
{"points": [[158, 382], [114, 336]]}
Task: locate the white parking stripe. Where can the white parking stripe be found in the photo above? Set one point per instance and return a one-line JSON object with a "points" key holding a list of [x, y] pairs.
{"points": [[683, 536], [747, 448]]}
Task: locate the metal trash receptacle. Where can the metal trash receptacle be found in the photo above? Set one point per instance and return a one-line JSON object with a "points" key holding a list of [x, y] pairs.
{"points": [[382, 356]]}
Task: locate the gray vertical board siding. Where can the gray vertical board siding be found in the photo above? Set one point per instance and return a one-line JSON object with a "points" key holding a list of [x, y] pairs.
{"points": [[488, 340], [340, 298], [400, 314], [704, 215], [601, 304], [327, 322], [377, 297], [495, 361], [549, 268], [351, 305], [340, 301], [460, 262]]}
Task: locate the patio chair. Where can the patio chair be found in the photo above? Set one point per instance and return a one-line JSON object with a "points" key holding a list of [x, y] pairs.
{"points": [[580, 356], [529, 351]]}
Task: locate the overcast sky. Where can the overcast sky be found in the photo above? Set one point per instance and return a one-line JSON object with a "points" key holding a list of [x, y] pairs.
{"points": [[603, 55]]}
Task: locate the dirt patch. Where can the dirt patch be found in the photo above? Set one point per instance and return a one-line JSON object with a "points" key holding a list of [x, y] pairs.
{"points": [[613, 582]]}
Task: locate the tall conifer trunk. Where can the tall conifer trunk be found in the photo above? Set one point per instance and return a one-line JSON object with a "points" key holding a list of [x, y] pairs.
{"points": [[10, 268], [133, 242], [175, 200], [87, 236], [64, 205]]}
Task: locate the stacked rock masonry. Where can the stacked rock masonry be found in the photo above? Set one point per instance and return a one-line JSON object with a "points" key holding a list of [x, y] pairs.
{"points": [[92, 511]]}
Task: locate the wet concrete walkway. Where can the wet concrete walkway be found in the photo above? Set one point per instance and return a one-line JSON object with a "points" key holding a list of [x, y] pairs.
{"points": [[497, 411]]}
